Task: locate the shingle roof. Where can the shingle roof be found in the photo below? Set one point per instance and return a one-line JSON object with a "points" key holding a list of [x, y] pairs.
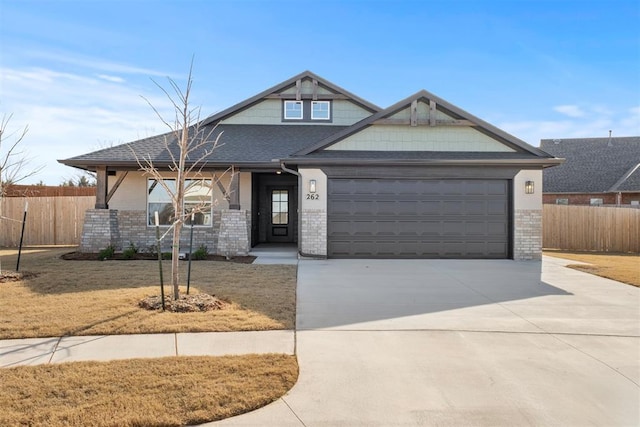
{"points": [[593, 165], [238, 144]]}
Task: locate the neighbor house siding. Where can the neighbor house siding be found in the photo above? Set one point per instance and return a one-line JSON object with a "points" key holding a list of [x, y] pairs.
{"points": [[585, 198], [420, 138]]}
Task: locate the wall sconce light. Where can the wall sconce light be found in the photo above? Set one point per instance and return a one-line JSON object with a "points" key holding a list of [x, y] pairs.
{"points": [[312, 186], [528, 187]]}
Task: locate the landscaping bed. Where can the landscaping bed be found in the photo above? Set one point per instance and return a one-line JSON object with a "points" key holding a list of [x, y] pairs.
{"points": [[144, 256]]}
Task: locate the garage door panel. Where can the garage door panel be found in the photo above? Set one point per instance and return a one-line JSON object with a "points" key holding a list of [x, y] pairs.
{"points": [[398, 218]]}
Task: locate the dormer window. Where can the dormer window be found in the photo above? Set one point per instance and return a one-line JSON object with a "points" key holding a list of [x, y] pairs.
{"points": [[320, 110], [293, 110]]}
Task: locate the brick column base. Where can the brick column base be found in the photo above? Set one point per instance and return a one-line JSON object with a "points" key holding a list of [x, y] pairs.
{"points": [[527, 243], [233, 239], [100, 229]]}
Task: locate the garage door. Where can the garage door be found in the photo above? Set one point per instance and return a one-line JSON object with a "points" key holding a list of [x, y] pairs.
{"points": [[416, 218]]}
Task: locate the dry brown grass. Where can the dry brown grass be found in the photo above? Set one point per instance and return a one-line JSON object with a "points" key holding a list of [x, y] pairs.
{"points": [[100, 297], [172, 391], [624, 268]]}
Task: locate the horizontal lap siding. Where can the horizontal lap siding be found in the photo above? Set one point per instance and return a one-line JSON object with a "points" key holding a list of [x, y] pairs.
{"points": [[414, 218]]}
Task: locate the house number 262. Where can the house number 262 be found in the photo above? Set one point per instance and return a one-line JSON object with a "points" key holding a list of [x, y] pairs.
{"points": [[313, 196]]}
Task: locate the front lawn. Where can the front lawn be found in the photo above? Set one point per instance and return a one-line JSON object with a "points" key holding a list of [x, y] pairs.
{"points": [[172, 391], [624, 268], [101, 297]]}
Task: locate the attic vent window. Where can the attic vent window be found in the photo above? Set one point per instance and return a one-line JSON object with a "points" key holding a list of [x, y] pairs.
{"points": [[320, 110], [293, 110]]}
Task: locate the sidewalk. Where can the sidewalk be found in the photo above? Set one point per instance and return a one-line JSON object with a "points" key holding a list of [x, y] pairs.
{"points": [[35, 351]]}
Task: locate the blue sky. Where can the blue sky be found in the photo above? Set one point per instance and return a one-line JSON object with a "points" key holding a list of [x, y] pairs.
{"points": [[74, 71]]}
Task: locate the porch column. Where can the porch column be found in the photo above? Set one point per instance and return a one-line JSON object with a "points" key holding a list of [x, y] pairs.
{"points": [[234, 196], [101, 188]]}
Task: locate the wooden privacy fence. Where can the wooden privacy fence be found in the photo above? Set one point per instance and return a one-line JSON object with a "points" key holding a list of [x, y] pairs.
{"points": [[50, 220], [591, 228]]}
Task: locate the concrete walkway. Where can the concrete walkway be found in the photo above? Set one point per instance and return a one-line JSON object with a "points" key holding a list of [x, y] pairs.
{"points": [[34, 351]]}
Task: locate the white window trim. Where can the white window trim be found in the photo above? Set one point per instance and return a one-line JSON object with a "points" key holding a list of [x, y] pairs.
{"points": [[596, 201], [301, 110], [183, 203], [328, 103]]}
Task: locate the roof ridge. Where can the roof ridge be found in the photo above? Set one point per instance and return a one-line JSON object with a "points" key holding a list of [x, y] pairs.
{"points": [[623, 178]]}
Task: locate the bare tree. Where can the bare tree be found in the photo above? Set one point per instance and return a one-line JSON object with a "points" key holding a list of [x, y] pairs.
{"points": [[14, 163], [189, 144]]}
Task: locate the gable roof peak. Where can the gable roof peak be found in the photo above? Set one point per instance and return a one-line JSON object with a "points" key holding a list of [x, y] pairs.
{"points": [[448, 108], [285, 85]]}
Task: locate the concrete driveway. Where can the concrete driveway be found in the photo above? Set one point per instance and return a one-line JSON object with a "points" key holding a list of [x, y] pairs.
{"points": [[451, 343]]}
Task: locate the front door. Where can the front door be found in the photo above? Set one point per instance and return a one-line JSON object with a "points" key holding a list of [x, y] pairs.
{"points": [[274, 217], [280, 228]]}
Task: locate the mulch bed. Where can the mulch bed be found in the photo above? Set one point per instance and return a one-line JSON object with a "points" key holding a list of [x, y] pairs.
{"points": [[15, 277], [85, 256], [184, 304]]}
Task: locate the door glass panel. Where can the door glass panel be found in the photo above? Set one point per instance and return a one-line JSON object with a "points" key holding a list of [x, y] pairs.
{"points": [[280, 207]]}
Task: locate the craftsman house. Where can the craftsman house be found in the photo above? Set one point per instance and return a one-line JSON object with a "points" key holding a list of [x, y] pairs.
{"points": [[317, 166], [598, 171]]}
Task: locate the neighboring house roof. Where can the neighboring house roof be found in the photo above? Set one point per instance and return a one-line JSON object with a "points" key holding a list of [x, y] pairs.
{"points": [[593, 165], [449, 108]]}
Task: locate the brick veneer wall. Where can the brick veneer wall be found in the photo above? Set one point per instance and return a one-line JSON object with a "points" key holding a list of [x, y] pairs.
{"points": [[233, 238], [100, 229], [104, 227], [134, 229], [314, 232], [527, 239]]}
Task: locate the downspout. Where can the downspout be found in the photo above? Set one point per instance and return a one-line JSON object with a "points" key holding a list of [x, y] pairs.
{"points": [[296, 173]]}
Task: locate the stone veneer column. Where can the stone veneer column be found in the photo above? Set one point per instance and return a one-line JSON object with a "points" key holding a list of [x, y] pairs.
{"points": [[314, 232], [233, 239], [100, 229], [527, 239]]}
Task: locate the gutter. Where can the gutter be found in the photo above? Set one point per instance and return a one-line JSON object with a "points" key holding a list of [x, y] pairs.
{"points": [[430, 162]]}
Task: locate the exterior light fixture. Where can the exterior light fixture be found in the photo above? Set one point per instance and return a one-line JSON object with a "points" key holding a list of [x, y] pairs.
{"points": [[528, 187], [312, 186], [278, 172]]}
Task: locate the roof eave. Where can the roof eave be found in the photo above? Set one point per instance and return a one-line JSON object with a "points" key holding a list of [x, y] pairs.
{"points": [[541, 162]]}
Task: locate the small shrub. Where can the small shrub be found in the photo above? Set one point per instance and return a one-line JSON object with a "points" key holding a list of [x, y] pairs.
{"points": [[151, 250], [130, 252], [200, 253], [106, 253], [166, 255]]}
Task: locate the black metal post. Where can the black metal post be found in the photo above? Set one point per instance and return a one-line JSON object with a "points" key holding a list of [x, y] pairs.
{"points": [[159, 259], [24, 221]]}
